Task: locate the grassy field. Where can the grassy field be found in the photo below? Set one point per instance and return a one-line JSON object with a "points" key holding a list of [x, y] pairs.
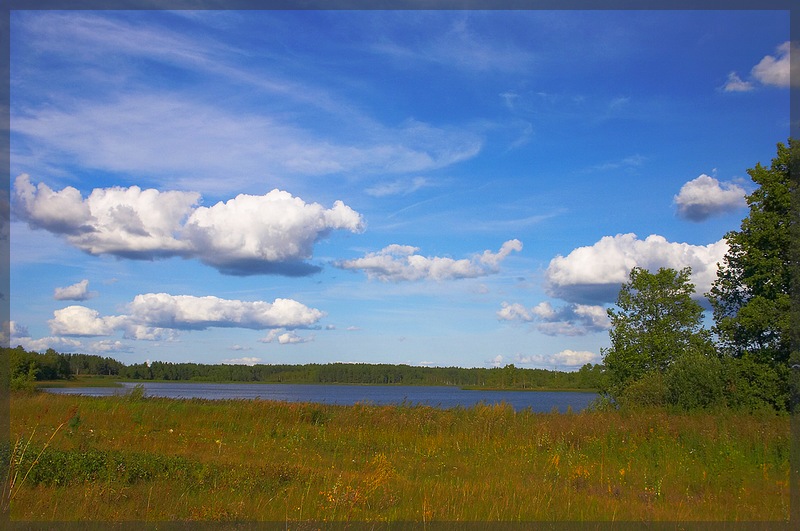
{"points": [[151, 459]]}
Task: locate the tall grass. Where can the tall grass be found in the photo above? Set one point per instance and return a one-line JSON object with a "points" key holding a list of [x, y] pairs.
{"points": [[161, 459]]}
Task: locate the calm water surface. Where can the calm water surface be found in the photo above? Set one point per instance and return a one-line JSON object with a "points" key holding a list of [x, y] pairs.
{"points": [[443, 397]]}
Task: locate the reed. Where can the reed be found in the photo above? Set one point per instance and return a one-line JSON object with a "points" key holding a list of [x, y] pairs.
{"points": [[156, 459]]}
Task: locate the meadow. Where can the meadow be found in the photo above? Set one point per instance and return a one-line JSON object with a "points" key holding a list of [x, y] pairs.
{"points": [[149, 459]]}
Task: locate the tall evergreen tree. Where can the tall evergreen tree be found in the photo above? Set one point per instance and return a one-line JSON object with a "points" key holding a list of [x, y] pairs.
{"points": [[752, 296]]}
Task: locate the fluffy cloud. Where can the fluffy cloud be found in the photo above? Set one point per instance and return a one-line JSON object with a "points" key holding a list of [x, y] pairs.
{"points": [[565, 358], [75, 292], [83, 321], [109, 345], [155, 316], [772, 70], [19, 335], [594, 274], [186, 312], [285, 338], [569, 320], [705, 196], [264, 234], [268, 234], [400, 262], [242, 361]]}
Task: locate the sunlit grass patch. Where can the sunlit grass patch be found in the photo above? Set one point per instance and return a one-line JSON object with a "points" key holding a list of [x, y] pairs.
{"points": [[162, 459]]}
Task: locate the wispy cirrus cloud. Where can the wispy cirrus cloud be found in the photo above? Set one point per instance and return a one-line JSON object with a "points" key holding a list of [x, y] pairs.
{"points": [[460, 44]]}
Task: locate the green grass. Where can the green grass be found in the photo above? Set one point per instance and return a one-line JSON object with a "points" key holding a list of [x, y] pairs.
{"points": [[83, 381], [129, 458]]}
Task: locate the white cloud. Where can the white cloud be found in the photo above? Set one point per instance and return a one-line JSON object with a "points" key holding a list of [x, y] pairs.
{"points": [[75, 292], [242, 361], [249, 234], [594, 274], [705, 196], [168, 135], [573, 358], [400, 263], [565, 358], [772, 70], [497, 361], [285, 338], [19, 335], [109, 345], [156, 316], [83, 321], [514, 312], [568, 320], [399, 187], [187, 312], [736, 84]]}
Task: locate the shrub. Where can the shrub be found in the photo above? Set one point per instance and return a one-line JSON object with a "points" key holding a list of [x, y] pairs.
{"points": [[694, 381], [648, 391]]}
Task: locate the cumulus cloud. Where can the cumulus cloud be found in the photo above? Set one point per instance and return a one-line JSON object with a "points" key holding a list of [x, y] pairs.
{"points": [[242, 361], [565, 358], [497, 361], [269, 234], [705, 196], [568, 320], [255, 234], [594, 274], [772, 70], [18, 335], [75, 292], [285, 338], [83, 321], [110, 345], [400, 262], [156, 316], [737, 84], [187, 312]]}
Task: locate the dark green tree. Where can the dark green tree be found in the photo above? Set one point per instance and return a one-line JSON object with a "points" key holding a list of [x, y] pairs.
{"points": [[655, 324], [756, 321], [751, 297]]}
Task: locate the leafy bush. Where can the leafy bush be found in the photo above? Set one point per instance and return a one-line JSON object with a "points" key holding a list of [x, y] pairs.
{"points": [[694, 381], [648, 391]]}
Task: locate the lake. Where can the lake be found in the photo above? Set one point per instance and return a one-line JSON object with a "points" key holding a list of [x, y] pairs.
{"points": [[436, 396]]}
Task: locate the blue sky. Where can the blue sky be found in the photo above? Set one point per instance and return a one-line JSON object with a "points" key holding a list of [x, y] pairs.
{"points": [[424, 187]]}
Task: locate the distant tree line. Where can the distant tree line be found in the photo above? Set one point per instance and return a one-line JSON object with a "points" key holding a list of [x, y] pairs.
{"points": [[29, 367]]}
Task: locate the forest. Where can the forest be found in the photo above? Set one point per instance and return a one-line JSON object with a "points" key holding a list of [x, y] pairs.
{"points": [[29, 367]]}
